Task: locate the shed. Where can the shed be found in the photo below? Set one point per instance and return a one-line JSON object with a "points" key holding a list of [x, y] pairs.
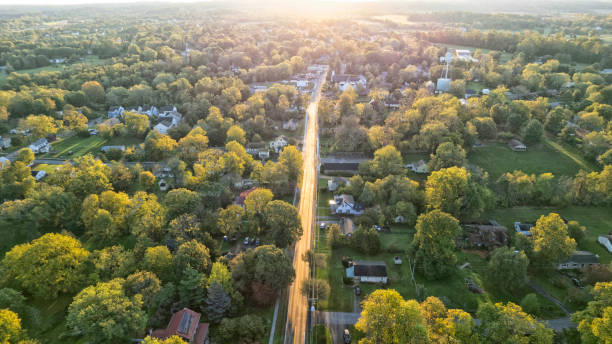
{"points": [[579, 260]]}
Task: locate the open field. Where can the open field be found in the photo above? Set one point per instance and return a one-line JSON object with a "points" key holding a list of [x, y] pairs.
{"points": [[498, 158], [81, 146], [92, 60]]}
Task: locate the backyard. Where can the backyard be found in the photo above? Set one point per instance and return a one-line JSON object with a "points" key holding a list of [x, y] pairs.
{"points": [[80, 146]]}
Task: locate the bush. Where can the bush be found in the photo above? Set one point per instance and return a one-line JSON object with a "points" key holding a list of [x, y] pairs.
{"points": [[579, 297], [247, 328], [321, 335], [114, 154], [366, 240], [594, 274], [530, 304], [505, 136], [347, 280], [346, 260]]}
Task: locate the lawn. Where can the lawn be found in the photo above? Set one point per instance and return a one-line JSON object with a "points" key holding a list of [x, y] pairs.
{"points": [[498, 158], [81, 146], [52, 319], [598, 221]]}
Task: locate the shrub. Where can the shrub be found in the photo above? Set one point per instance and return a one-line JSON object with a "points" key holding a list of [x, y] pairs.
{"points": [[594, 274], [505, 136], [346, 260], [530, 304], [347, 280]]}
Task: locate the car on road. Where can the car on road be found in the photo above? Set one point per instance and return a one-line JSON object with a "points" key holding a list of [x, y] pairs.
{"points": [[346, 336], [246, 241], [357, 291], [322, 225]]}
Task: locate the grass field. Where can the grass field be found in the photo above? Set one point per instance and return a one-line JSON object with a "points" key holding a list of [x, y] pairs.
{"points": [[92, 60], [498, 158], [81, 146]]}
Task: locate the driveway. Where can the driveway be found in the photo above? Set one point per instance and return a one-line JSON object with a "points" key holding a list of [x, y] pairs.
{"points": [[336, 322]]}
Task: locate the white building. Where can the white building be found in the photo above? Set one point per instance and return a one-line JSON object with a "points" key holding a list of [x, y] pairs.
{"points": [[345, 81], [606, 241], [279, 143], [368, 272], [5, 142], [345, 204], [579, 260], [40, 146]]}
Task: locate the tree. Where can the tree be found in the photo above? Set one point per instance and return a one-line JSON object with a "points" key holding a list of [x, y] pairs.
{"points": [[366, 240], [262, 273], [508, 268], [235, 133], [509, 324], [170, 340], [180, 201], [551, 240], [158, 260], [533, 131], [10, 327], [112, 262], [576, 231], [194, 255], [105, 216], [93, 91], [291, 157], [447, 155], [229, 220], [147, 217], [137, 124], [158, 146], [455, 191], [245, 329], [192, 145], [105, 314], [334, 235], [39, 125], [530, 304], [144, 283], [50, 265], [15, 181], [89, 176], [594, 322], [257, 200], [282, 222], [318, 288], [434, 243], [25, 155], [387, 160], [218, 303]]}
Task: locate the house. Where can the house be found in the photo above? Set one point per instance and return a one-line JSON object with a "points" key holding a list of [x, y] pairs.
{"points": [[465, 55], [107, 148], [279, 143], [418, 166], [185, 324], [164, 125], [291, 124], [517, 145], [40, 146], [399, 219], [38, 175], [523, 228], [244, 183], [166, 110], [345, 81], [345, 204], [134, 109], [115, 111], [368, 271], [263, 154], [487, 236], [301, 83], [607, 71], [149, 111], [341, 163], [334, 182], [606, 241], [243, 195], [579, 260], [5, 142], [443, 85]]}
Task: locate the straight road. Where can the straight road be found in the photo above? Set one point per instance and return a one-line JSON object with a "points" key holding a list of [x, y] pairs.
{"points": [[295, 330]]}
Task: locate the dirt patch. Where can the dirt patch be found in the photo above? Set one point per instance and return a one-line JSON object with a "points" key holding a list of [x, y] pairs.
{"points": [[482, 253]]}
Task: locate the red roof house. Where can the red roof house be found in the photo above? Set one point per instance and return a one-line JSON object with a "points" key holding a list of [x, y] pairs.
{"points": [[185, 324], [243, 195]]}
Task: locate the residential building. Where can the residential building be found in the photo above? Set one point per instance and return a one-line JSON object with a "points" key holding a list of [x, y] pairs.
{"points": [[40, 146], [164, 125], [517, 145], [115, 111], [279, 143], [242, 196], [265, 154], [341, 163], [134, 109], [4, 161], [5, 142], [368, 271], [465, 55], [186, 325], [38, 175], [418, 166], [149, 111], [291, 124], [346, 205], [166, 110], [344, 81], [335, 182], [523, 228], [606, 241], [107, 148], [579, 260], [487, 236], [443, 85]]}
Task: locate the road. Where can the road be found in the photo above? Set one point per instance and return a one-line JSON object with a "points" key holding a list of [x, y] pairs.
{"points": [[298, 304]]}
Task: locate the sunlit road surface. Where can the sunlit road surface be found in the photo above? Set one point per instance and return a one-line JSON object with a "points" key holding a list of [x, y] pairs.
{"points": [[298, 304]]}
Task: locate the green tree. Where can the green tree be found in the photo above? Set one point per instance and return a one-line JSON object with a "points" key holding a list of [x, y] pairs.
{"points": [[551, 240], [533, 131], [247, 328], [387, 160], [147, 217], [434, 243], [25, 155], [595, 320], [447, 155], [159, 260], [334, 235], [366, 240], [291, 157], [507, 268], [105, 314], [218, 303], [144, 283], [15, 181], [158, 146], [192, 288], [10, 327], [257, 200], [94, 92], [318, 288], [136, 124], [192, 145], [193, 254], [50, 265], [229, 220], [509, 324], [112, 262], [530, 304], [282, 222], [180, 201]]}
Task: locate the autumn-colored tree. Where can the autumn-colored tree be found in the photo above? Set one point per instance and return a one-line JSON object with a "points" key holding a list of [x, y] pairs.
{"points": [[551, 240], [595, 321], [291, 157]]}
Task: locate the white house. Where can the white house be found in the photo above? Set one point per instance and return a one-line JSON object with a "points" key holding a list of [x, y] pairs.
{"points": [[335, 182], [115, 111], [165, 111], [38, 175], [4, 161], [5, 142], [149, 111], [291, 124], [579, 260], [345, 81], [465, 55], [164, 125], [107, 148], [40, 146], [301, 83], [345, 204], [169, 119], [368, 271], [418, 166], [264, 154], [279, 143], [606, 241]]}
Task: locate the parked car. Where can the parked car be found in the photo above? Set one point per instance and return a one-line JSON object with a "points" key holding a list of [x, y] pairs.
{"points": [[322, 225], [246, 241], [346, 336], [357, 291], [577, 283], [252, 241], [378, 228], [257, 242]]}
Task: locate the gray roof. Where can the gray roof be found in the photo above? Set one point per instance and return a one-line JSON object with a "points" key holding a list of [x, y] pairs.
{"points": [[583, 257], [370, 268]]}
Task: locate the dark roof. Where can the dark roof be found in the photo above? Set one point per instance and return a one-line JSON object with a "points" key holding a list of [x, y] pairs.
{"points": [[582, 257], [341, 166], [366, 268], [166, 108]]}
